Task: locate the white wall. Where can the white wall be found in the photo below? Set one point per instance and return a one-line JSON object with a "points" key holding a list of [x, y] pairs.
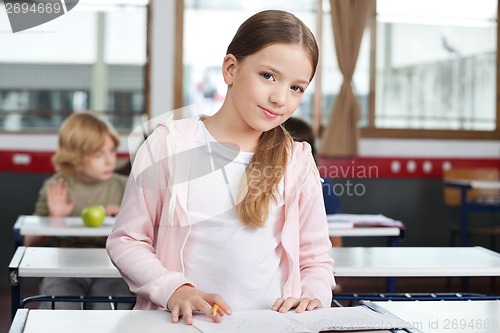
{"points": [[429, 148], [368, 147]]}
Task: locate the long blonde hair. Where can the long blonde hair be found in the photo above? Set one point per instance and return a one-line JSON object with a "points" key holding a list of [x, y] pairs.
{"points": [[268, 165]]}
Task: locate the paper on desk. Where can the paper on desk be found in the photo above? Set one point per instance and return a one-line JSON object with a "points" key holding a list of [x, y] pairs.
{"points": [[326, 319], [344, 319], [261, 321], [363, 220]]}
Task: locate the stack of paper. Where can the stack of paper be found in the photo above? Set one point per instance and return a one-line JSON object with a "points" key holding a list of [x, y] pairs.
{"points": [[363, 220]]}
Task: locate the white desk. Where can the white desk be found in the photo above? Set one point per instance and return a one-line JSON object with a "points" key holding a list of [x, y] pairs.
{"points": [[394, 262], [103, 321], [32, 225], [363, 231], [415, 261], [445, 316], [63, 262], [426, 317], [56, 262], [147, 321], [349, 261], [365, 225]]}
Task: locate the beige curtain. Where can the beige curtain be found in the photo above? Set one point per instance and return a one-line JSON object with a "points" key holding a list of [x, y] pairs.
{"points": [[340, 137]]}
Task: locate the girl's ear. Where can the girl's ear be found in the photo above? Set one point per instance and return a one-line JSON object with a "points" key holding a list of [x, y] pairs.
{"points": [[229, 68]]}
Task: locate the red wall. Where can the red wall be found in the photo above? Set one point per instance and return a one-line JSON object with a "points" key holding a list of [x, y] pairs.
{"points": [[359, 167]]}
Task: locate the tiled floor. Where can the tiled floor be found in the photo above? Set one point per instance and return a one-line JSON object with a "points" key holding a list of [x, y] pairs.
{"points": [[487, 286]]}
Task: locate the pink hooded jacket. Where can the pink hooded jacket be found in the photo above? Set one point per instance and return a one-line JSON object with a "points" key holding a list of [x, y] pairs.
{"points": [[152, 228]]}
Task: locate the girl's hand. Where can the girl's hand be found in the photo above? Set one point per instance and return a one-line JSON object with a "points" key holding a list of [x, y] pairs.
{"points": [[112, 210], [57, 199], [187, 299], [300, 304]]}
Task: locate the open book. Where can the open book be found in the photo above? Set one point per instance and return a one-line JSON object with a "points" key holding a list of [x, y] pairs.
{"points": [[319, 320], [362, 220]]}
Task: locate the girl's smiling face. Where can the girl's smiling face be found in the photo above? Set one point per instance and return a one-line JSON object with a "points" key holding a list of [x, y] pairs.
{"points": [[266, 87]]}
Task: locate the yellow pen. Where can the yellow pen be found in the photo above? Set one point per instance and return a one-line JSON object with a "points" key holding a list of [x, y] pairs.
{"points": [[215, 307]]}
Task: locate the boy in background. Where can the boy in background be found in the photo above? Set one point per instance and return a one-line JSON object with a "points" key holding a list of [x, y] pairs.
{"points": [[85, 161]]}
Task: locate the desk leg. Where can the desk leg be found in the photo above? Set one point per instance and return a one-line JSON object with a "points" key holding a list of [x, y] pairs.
{"points": [[464, 212], [15, 281], [16, 292], [18, 239], [465, 284], [391, 284]]}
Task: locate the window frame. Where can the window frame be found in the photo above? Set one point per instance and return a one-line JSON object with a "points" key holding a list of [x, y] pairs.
{"points": [[370, 131], [146, 89]]}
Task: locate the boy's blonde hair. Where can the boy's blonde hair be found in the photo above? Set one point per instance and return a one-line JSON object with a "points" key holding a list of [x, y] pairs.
{"points": [[81, 135]]}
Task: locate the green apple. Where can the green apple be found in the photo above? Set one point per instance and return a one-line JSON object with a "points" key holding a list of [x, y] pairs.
{"points": [[93, 216]]}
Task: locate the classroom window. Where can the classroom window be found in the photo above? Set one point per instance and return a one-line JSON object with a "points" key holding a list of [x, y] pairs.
{"points": [[209, 27], [93, 57], [425, 68], [203, 85], [436, 65]]}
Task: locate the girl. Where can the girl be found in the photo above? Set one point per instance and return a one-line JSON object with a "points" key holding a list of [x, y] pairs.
{"points": [[84, 160], [250, 232]]}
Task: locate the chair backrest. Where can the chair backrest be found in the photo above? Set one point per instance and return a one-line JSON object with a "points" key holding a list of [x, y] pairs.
{"points": [[331, 199], [452, 195]]}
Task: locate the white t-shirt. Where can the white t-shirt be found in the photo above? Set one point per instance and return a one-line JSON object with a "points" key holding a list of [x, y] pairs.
{"points": [[222, 255]]}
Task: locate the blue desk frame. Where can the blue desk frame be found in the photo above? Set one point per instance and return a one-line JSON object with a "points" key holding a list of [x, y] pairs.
{"points": [[467, 207]]}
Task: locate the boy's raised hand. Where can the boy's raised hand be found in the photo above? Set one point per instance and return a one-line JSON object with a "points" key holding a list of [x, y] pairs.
{"points": [[187, 299], [57, 199], [112, 210]]}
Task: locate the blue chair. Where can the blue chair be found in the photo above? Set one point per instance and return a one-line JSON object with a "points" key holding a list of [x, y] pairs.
{"points": [[332, 201]]}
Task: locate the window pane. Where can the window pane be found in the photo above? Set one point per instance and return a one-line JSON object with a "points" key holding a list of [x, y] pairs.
{"points": [[209, 27], [59, 67], [436, 64]]}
